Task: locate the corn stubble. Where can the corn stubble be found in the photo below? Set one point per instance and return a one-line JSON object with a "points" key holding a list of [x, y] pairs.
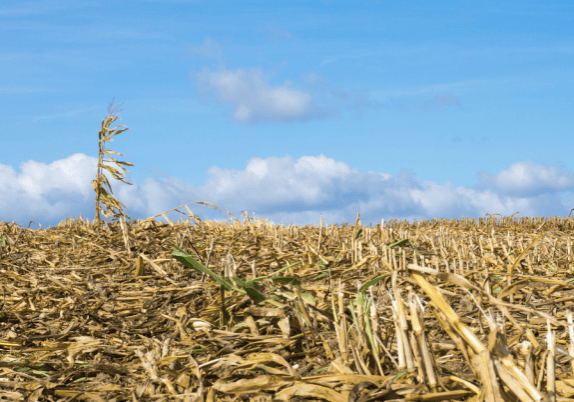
{"points": [[249, 311]]}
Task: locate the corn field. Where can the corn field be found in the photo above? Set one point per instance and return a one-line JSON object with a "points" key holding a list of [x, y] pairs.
{"points": [[200, 310], [143, 310]]}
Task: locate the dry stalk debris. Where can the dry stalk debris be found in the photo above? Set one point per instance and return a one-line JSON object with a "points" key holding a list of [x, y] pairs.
{"points": [[203, 311]]}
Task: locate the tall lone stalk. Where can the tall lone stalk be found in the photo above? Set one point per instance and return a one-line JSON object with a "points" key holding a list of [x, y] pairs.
{"points": [[109, 202]]}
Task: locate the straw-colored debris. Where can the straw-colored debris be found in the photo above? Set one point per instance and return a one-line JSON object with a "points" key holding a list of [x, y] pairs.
{"points": [[205, 311]]}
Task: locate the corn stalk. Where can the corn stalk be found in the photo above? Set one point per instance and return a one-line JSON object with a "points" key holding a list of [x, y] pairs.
{"points": [[101, 183]]}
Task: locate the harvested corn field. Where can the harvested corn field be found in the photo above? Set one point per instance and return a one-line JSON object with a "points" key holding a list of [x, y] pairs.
{"points": [[250, 311]]}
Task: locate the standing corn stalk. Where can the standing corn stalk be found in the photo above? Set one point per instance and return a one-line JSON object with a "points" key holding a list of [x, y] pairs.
{"points": [[108, 201]]}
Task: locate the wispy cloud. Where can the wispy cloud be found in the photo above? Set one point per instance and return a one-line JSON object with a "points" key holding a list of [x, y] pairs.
{"points": [[282, 189], [275, 34], [337, 96], [66, 114], [442, 100], [441, 88], [18, 91], [13, 56], [40, 7], [210, 48], [356, 55]]}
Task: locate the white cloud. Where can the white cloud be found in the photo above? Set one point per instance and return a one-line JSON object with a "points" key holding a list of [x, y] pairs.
{"points": [[253, 99], [527, 179], [281, 189], [47, 192]]}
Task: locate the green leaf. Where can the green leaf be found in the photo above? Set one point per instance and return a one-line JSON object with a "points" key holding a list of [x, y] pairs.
{"points": [[309, 297], [362, 300], [399, 375], [265, 368], [286, 279], [252, 290], [255, 295], [370, 283], [239, 281], [189, 261], [399, 243], [240, 325], [286, 268], [81, 379]]}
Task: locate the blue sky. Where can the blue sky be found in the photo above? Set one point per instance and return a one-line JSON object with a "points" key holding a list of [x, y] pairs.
{"points": [[289, 109]]}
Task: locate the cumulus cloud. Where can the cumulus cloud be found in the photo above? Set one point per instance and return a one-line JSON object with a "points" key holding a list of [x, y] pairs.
{"points": [[254, 99], [527, 179], [281, 189], [47, 192]]}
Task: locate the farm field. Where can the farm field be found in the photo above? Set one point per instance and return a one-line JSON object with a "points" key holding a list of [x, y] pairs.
{"points": [[389, 192], [249, 311]]}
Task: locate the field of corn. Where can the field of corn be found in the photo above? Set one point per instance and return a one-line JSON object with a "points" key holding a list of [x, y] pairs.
{"points": [[203, 310], [143, 310]]}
